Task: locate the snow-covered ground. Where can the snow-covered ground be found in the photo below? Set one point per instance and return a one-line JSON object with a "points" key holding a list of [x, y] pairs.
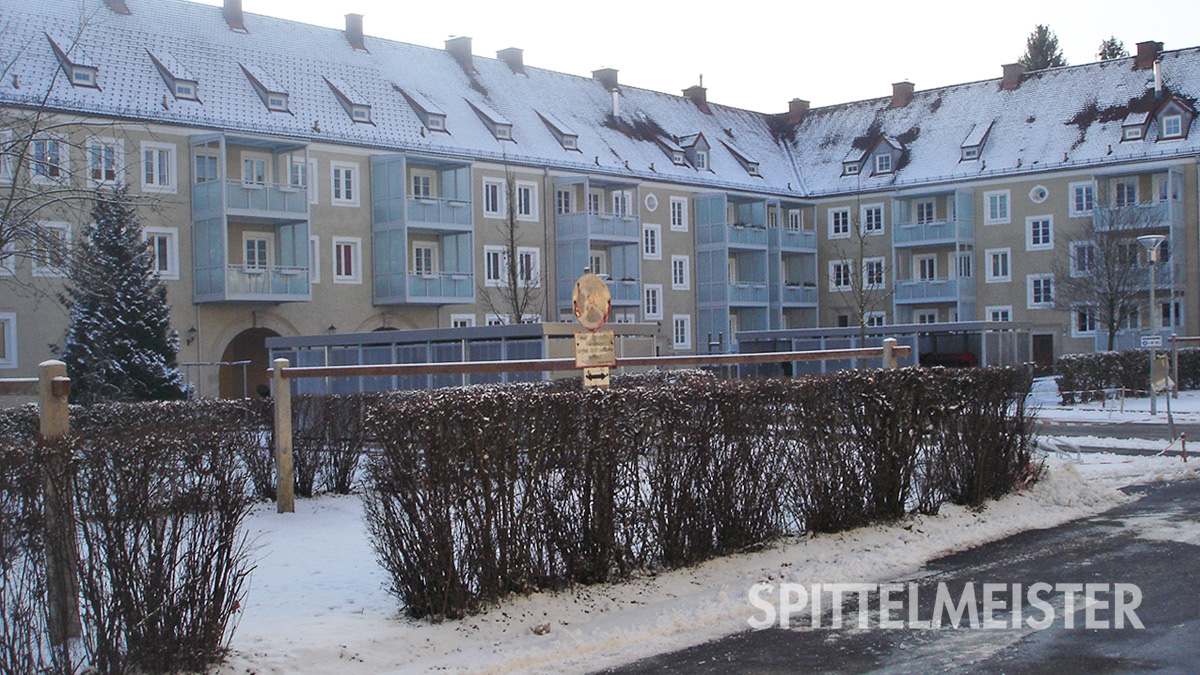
{"points": [[317, 603], [1045, 397]]}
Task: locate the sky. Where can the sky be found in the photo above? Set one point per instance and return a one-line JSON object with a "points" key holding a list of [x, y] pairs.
{"points": [[764, 53]]}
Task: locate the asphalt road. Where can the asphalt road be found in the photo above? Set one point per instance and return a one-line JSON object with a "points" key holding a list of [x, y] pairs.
{"points": [[1153, 543]]}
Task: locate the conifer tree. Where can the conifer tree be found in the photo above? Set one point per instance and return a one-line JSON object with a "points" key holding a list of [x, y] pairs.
{"points": [[1112, 48], [119, 345], [1041, 50]]}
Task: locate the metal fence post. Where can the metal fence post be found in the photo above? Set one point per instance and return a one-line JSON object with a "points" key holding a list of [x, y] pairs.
{"points": [[285, 495], [889, 353], [62, 553]]}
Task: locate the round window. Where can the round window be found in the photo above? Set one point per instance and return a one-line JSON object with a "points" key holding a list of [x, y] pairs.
{"points": [[1038, 194], [651, 202]]}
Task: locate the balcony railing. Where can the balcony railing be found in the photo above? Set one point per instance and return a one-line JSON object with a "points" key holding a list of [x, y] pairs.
{"points": [[938, 231], [799, 295], [455, 285], [798, 239], [1144, 216], [266, 199], [754, 292], [249, 282], [602, 226], [935, 290], [429, 211], [624, 291], [747, 235]]}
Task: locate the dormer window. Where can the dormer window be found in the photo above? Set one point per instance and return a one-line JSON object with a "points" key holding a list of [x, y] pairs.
{"points": [[277, 102], [748, 163], [355, 104], [500, 127], [678, 158], [695, 147], [1132, 134], [701, 160], [883, 163], [752, 169], [183, 85], [850, 168], [971, 153], [503, 132], [76, 65], [83, 76], [972, 145], [361, 113], [431, 116], [185, 89], [565, 135], [273, 96], [1172, 126], [436, 123]]}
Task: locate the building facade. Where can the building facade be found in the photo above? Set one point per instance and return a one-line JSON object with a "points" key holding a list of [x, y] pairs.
{"points": [[297, 180]]}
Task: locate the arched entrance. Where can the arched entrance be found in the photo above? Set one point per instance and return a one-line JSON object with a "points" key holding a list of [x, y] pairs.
{"points": [[248, 345]]}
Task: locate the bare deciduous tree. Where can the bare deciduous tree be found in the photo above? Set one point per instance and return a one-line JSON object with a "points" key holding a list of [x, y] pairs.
{"points": [[519, 292]]}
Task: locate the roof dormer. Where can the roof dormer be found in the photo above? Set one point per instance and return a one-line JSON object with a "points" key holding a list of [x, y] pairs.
{"points": [[675, 151], [1133, 128], [696, 149], [273, 96], [885, 156], [500, 127], [748, 163], [182, 84], [355, 104], [972, 145], [80, 70], [433, 117], [1174, 118], [565, 135]]}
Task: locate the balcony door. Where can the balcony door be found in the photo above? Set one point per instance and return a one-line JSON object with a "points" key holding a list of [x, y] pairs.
{"points": [[258, 250], [925, 267]]}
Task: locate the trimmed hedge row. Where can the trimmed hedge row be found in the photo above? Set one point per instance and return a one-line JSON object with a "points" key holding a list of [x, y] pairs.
{"points": [[483, 492], [1081, 377]]}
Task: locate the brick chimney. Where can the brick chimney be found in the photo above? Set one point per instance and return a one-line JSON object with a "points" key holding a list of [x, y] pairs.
{"points": [[697, 93], [902, 93], [607, 77], [233, 15], [460, 49], [117, 6], [797, 107], [1012, 76], [354, 31], [1147, 54], [514, 57]]}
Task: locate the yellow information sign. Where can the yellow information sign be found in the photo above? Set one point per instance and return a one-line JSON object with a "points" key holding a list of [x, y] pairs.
{"points": [[595, 349]]}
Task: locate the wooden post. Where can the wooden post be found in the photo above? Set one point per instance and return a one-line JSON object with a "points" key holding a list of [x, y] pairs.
{"points": [[285, 480], [889, 353], [62, 553]]}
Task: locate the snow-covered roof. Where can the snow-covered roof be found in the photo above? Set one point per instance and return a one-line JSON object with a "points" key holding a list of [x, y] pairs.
{"points": [[977, 135], [1061, 117]]}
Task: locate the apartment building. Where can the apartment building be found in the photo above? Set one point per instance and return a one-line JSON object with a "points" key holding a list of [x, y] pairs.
{"points": [[298, 180]]}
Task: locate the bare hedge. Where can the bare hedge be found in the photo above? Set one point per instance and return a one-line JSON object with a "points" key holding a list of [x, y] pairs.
{"points": [[482, 492], [1082, 377]]}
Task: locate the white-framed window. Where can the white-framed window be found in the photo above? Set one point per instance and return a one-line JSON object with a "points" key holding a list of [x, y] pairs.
{"points": [[50, 159], [256, 167], [344, 183], [840, 274], [598, 261], [872, 218], [995, 207], [772, 219], [1083, 257], [562, 201], [529, 266], [347, 260], [1083, 321], [679, 214], [1040, 290], [527, 202], [883, 162], [495, 319], [651, 242], [6, 165], [681, 331], [1172, 126], [8, 261], [999, 313], [158, 167], [106, 160], [925, 316], [314, 259], [926, 211], [258, 250], [8, 340], [966, 264], [839, 223], [850, 168], [681, 274], [621, 199], [925, 267], [1171, 313], [795, 220], [1039, 233], [701, 159], [875, 319], [462, 320], [999, 265], [303, 176], [1083, 198], [970, 153], [1131, 318], [205, 167], [494, 197], [424, 258], [593, 202], [873, 273], [1126, 191], [493, 265], [1131, 134], [163, 243], [652, 301], [53, 256]]}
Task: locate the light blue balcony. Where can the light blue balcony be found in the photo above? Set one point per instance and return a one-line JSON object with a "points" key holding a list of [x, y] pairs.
{"points": [[265, 200], [932, 233], [742, 235], [442, 287], [439, 214], [934, 290], [747, 293], [266, 283], [799, 295], [599, 226], [624, 292], [1144, 216], [798, 239]]}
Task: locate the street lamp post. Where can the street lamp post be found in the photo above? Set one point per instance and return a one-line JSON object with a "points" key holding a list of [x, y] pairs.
{"points": [[1151, 242]]}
